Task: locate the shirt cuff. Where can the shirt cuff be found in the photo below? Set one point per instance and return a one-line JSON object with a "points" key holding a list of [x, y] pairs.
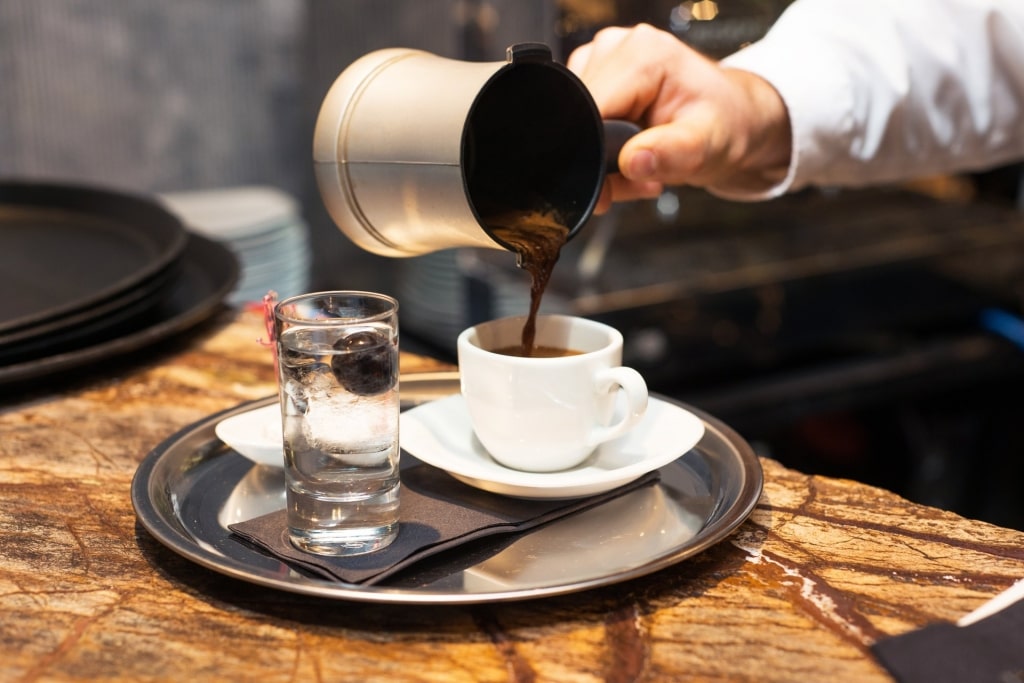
{"points": [[788, 71]]}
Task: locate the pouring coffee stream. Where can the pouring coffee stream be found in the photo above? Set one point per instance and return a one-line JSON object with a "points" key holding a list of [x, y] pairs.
{"points": [[537, 239], [537, 236], [507, 155]]}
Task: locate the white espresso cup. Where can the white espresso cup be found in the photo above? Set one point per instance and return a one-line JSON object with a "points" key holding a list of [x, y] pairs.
{"points": [[545, 414]]}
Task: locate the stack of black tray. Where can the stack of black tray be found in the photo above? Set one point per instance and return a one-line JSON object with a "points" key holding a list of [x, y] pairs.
{"points": [[89, 273]]}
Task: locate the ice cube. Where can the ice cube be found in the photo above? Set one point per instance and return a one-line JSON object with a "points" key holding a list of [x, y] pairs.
{"points": [[361, 431], [297, 396], [318, 379], [307, 381]]}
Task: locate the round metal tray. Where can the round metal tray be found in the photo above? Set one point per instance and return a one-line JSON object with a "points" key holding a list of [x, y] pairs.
{"points": [[191, 487]]}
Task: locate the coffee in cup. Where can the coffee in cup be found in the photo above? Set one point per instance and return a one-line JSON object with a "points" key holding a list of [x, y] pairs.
{"points": [[548, 413], [536, 351]]}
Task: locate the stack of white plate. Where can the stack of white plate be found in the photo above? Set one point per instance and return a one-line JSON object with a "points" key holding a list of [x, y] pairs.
{"points": [[262, 226]]}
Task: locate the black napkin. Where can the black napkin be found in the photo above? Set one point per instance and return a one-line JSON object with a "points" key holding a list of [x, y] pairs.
{"points": [[437, 513], [988, 650]]}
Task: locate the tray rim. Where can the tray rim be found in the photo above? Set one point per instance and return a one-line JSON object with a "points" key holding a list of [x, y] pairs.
{"points": [[723, 523]]}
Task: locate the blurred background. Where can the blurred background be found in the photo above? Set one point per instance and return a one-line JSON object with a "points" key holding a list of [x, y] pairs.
{"points": [[871, 334]]}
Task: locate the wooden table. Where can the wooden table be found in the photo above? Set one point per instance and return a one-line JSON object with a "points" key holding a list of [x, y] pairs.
{"points": [[821, 569]]}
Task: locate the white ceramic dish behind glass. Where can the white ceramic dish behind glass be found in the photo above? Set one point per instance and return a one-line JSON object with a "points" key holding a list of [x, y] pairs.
{"points": [[256, 434]]}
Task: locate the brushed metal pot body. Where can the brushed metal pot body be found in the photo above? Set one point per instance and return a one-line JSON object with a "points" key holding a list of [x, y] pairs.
{"points": [[413, 151]]}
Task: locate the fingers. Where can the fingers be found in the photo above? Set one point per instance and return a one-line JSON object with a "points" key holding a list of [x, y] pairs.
{"points": [[580, 57], [704, 125], [651, 78], [683, 151], [604, 41], [624, 190], [623, 69], [610, 65]]}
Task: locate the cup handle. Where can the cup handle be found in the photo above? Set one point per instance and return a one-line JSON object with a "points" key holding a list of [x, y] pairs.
{"points": [[634, 387]]}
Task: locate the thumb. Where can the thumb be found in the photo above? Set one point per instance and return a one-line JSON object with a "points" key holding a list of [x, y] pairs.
{"points": [[671, 153]]}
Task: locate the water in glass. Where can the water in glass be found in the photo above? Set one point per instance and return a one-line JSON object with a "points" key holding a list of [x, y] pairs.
{"points": [[339, 391]]}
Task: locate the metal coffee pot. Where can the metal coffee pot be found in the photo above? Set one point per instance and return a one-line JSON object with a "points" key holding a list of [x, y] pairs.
{"points": [[414, 152]]}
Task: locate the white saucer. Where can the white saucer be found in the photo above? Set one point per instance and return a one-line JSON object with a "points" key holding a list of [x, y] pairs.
{"points": [[439, 433], [256, 434]]}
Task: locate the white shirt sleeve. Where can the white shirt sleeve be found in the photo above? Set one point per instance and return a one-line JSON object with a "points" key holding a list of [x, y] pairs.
{"points": [[879, 91]]}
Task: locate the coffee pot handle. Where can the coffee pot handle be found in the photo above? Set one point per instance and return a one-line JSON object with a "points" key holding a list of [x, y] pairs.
{"points": [[616, 133]]}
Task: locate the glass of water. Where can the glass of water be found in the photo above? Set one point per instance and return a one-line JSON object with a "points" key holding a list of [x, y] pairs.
{"points": [[337, 359]]}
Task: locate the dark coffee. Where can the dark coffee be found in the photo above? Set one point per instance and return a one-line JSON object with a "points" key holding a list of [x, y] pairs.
{"points": [[537, 239], [538, 351]]}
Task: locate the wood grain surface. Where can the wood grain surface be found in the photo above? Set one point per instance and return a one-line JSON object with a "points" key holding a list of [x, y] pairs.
{"points": [[821, 570]]}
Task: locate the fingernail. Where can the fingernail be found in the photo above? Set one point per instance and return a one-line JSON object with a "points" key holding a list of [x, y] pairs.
{"points": [[642, 165]]}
